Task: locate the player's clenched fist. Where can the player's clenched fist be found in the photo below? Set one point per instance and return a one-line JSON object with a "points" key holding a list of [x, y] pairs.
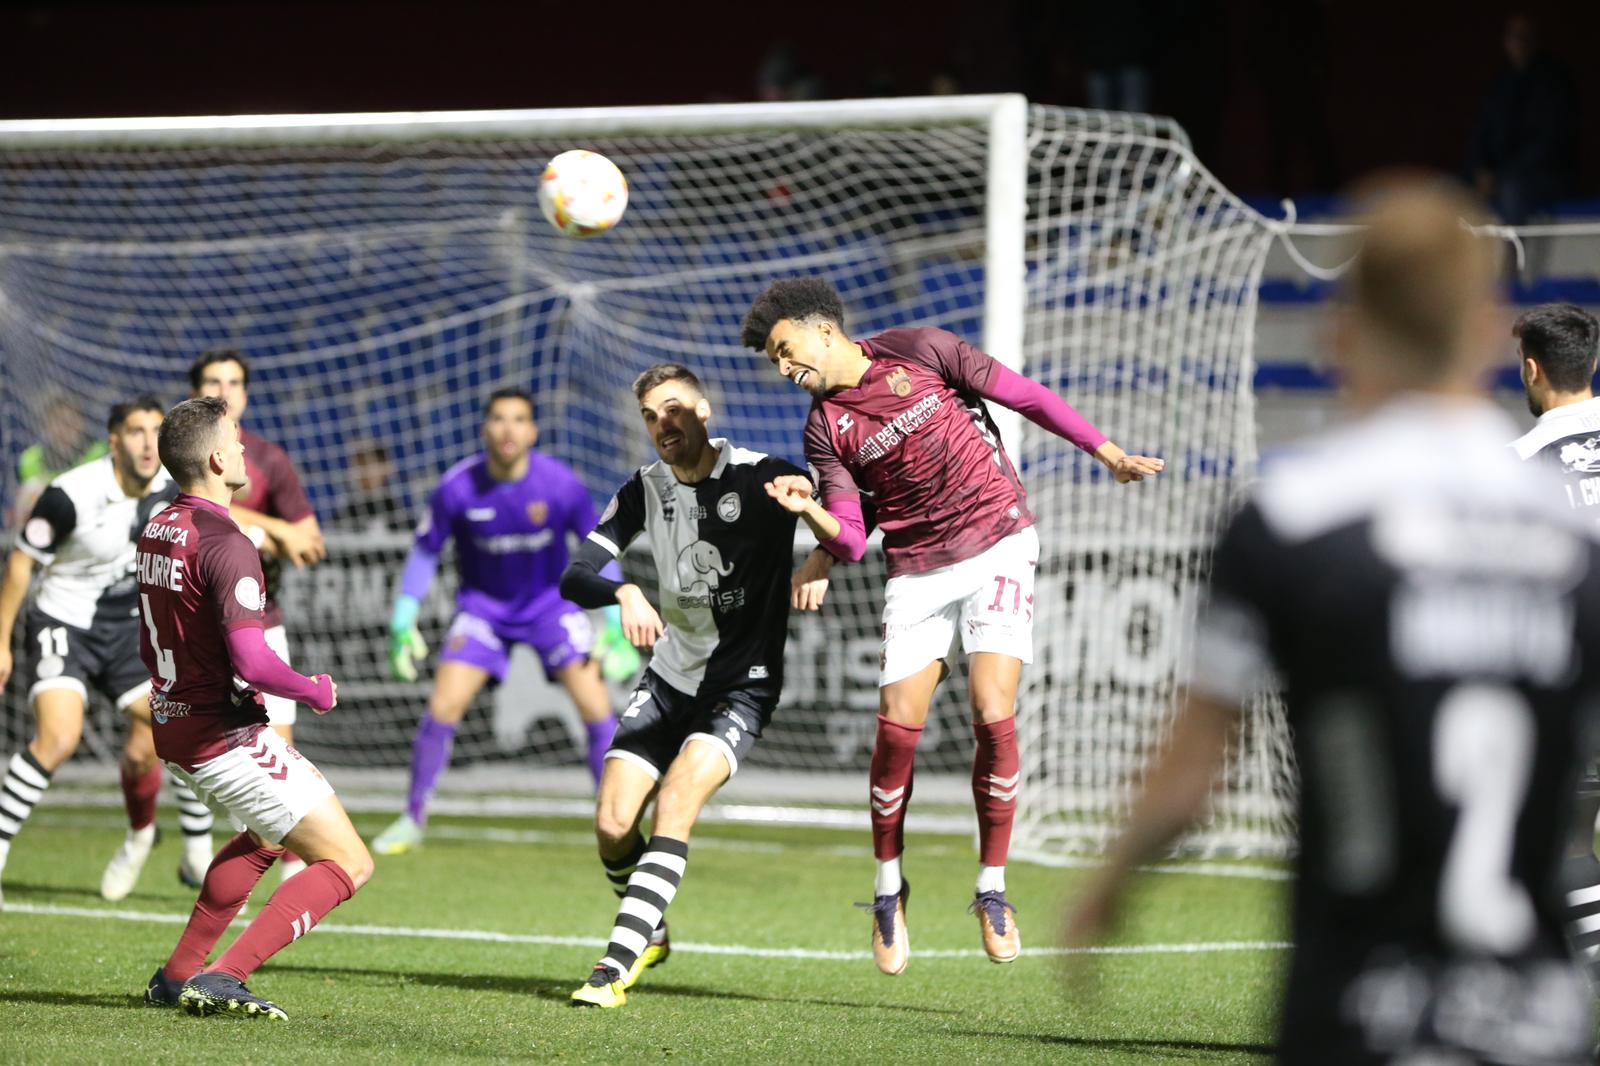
{"points": [[333, 693]]}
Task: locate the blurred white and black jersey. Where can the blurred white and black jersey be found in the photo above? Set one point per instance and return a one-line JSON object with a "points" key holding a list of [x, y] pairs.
{"points": [[1567, 440], [1431, 609]]}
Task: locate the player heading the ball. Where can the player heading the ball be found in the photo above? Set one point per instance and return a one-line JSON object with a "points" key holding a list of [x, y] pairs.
{"points": [[900, 418]]}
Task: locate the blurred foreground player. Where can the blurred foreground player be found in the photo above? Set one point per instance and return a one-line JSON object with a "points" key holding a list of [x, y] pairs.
{"points": [[510, 511], [1430, 608], [200, 587], [722, 549]]}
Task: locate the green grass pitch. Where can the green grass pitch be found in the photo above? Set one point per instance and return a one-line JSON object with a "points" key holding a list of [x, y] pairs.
{"points": [[466, 951]]}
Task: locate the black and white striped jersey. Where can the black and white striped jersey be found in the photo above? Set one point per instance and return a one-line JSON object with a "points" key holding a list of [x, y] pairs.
{"points": [[82, 531], [723, 551], [1431, 609], [1567, 439]]}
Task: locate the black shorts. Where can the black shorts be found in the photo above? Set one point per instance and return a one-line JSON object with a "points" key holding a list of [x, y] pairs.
{"points": [[660, 720], [105, 658]]}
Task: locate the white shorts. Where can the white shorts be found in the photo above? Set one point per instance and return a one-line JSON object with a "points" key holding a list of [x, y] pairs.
{"points": [[280, 710], [265, 785], [990, 597]]}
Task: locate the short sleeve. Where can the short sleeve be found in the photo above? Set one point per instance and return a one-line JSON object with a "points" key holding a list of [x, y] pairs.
{"points": [[49, 524], [286, 497], [1233, 657], [233, 581], [623, 518], [959, 363], [433, 531], [833, 480]]}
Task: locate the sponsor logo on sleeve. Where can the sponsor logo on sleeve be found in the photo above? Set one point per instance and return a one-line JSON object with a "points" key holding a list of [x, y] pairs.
{"points": [[247, 590], [610, 512], [37, 532]]}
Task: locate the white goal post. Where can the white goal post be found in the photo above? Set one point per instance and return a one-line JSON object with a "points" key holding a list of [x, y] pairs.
{"points": [[384, 272]]}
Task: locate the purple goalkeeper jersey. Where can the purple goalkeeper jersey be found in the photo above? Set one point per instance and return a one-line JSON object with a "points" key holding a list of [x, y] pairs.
{"points": [[511, 536]]}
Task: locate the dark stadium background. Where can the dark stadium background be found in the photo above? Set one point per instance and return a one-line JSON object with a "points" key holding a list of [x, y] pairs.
{"points": [[1397, 81]]}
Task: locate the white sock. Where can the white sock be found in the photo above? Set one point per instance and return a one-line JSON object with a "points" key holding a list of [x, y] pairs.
{"points": [[991, 879], [888, 883], [5, 849], [143, 837]]}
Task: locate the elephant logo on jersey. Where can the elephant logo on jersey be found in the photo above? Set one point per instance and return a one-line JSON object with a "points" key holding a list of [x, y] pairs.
{"points": [[700, 568], [899, 381], [538, 511], [1581, 456]]}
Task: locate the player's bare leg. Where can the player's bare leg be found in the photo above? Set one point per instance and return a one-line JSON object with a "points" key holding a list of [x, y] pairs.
{"points": [[455, 686], [996, 772], [337, 864], [58, 726], [625, 790], [902, 712], [587, 690], [694, 776]]}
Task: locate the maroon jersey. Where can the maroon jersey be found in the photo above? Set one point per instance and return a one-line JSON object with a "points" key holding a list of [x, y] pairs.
{"points": [[199, 577], [274, 489], [914, 434]]}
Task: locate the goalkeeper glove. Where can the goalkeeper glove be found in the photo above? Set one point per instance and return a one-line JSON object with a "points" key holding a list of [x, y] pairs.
{"points": [[619, 660], [406, 645]]}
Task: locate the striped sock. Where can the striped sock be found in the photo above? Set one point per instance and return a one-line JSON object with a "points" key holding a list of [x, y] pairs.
{"points": [[1581, 874], [24, 785], [650, 892], [619, 870], [194, 817]]}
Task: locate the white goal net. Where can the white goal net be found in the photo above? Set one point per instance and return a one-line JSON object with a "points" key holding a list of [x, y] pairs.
{"points": [[383, 276]]}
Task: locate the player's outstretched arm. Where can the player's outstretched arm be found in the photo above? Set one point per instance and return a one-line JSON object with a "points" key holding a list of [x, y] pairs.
{"points": [[1125, 467], [260, 668], [19, 572], [1044, 408], [1176, 792]]}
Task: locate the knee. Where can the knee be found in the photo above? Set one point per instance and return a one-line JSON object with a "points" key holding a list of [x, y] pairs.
{"points": [[900, 709], [446, 708], [612, 829], [358, 866], [54, 746], [137, 762], [992, 703]]}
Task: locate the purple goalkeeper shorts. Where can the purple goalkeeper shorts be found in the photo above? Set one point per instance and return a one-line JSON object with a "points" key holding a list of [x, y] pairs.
{"points": [[562, 637]]}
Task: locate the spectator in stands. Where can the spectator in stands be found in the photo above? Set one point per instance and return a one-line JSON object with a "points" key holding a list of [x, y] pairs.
{"points": [[1115, 39], [371, 504], [65, 442], [1523, 154]]}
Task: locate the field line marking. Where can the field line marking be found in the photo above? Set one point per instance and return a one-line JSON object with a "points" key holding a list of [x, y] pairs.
{"points": [[735, 950]]}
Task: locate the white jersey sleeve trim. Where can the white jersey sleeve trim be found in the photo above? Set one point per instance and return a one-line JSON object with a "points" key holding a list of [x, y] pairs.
{"points": [[605, 543]]}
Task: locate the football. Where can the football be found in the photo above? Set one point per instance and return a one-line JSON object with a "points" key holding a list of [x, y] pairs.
{"points": [[582, 193]]}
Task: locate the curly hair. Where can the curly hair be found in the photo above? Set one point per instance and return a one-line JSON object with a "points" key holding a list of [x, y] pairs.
{"points": [[797, 299]]}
